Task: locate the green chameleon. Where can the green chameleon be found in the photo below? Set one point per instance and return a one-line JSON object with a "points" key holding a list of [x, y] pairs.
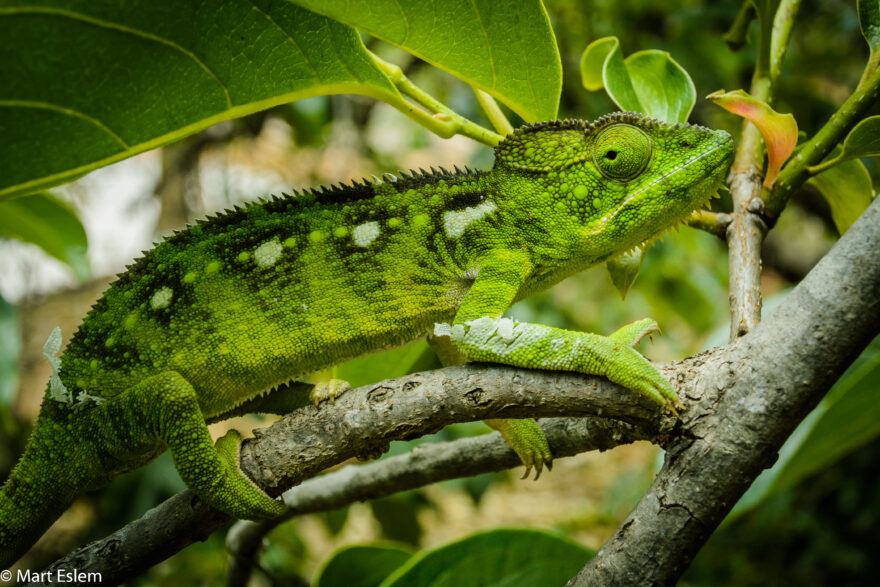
{"points": [[215, 317]]}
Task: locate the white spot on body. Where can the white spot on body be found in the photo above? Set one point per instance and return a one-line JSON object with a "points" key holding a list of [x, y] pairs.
{"points": [[455, 222], [365, 233], [161, 299], [268, 252]]}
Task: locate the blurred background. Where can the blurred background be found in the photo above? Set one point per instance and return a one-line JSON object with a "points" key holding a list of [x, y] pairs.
{"points": [[821, 528]]}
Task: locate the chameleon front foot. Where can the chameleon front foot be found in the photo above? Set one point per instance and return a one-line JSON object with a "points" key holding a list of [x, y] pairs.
{"points": [[329, 390], [527, 439]]}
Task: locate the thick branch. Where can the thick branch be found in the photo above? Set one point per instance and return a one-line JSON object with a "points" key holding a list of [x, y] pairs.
{"points": [[744, 403], [362, 422], [426, 464]]}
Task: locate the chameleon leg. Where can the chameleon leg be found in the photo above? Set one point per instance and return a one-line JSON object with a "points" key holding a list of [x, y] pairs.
{"points": [[166, 408], [501, 275], [525, 437], [542, 347], [481, 335]]}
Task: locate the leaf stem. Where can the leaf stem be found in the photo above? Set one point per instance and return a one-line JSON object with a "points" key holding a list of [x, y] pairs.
{"points": [[434, 115], [493, 112]]}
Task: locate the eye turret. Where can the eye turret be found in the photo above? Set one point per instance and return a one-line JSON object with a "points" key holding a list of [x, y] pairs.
{"points": [[621, 151]]}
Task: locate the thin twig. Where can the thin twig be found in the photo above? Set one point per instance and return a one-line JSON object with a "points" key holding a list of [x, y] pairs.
{"points": [[796, 171], [436, 116], [746, 233]]}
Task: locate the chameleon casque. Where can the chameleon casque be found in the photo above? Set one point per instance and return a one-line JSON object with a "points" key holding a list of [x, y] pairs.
{"points": [[223, 312]]}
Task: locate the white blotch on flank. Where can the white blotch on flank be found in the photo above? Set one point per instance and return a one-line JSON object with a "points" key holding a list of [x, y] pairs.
{"points": [[365, 233], [161, 299], [268, 252], [456, 221]]}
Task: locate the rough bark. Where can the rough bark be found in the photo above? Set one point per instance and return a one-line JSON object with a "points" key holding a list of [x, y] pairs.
{"points": [[743, 404]]}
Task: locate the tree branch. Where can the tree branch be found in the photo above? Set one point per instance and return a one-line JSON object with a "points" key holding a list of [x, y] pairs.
{"points": [[746, 233], [362, 422], [743, 404], [426, 464]]}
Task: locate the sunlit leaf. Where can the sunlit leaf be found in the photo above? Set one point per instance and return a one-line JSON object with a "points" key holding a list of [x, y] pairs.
{"points": [[43, 220], [361, 566], [513, 558], [648, 82], [88, 83], [848, 190], [624, 269], [779, 130], [504, 48]]}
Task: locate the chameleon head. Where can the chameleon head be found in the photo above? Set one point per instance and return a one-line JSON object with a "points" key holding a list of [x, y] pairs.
{"points": [[619, 181]]}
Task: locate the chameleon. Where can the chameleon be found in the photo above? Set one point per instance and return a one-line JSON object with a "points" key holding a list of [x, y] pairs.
{"points": [[215, 317]]}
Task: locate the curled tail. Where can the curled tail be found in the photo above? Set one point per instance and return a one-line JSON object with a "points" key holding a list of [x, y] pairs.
{"points": [[41, 487]]}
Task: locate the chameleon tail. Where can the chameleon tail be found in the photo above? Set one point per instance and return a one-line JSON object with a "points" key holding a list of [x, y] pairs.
{"points": [[40, 488]]}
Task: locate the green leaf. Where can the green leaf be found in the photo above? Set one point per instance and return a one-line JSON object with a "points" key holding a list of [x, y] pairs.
{"points": [[848, 190], [88, 83], [862, 141], [361, 566], [779, 131], [869, 22], [45, 221], [512, 558], [847, 418], [10, 347], [504, 48], [624, 268], [649, 82]]}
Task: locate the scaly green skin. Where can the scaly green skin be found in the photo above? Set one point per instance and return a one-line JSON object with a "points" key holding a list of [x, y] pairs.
{"points": [[219, 314]]}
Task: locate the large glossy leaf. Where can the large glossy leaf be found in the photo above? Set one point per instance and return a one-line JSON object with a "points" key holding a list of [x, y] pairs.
{"points": [[649, 82], [361, 566], [847, 189], [505, 48], [847, 418], [778, 130], [43, 220], [84, 83], [513, 558]]}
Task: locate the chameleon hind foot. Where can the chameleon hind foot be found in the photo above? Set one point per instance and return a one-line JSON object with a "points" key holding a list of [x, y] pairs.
{"points": [[329, 390], [527, 439], [165, 408]]}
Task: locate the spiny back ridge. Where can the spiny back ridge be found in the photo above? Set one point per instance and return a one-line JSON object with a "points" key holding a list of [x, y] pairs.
{"points": [[326, 194]]}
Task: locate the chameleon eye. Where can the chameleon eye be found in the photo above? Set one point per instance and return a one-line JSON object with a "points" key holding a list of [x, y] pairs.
{"points": [[621, 151]]}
